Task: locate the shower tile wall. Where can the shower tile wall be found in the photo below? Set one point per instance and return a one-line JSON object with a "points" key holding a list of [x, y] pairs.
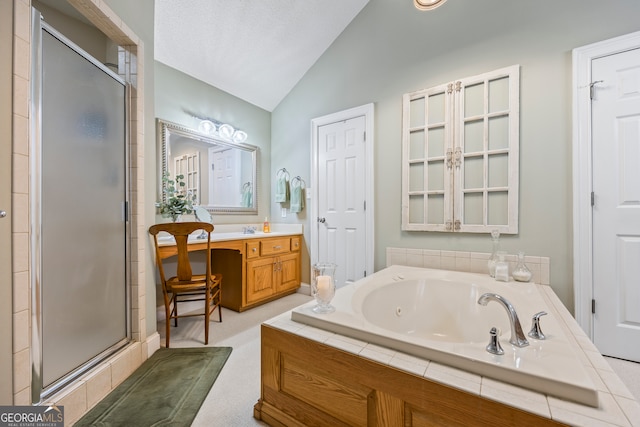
{"points": [[470, 262]]}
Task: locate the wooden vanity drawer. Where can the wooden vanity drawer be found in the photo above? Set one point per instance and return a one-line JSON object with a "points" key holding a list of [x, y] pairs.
{"points": [[253, 249], [275, 246], [295, 244]]}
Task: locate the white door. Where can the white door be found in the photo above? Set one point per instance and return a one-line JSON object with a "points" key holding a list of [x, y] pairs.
{"points": [[224, 179], [341, 222], [616, 210]]}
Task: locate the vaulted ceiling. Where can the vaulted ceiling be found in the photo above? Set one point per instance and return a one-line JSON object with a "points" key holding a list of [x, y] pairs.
{"points": [[255, 50]]}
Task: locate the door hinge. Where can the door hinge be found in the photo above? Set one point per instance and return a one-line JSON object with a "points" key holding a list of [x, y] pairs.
{"points": [[125, 213], [364, 205], [593, 199], [365, 273], [593, 306]]}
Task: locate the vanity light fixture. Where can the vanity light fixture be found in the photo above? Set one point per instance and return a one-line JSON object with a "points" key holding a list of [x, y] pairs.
{"points": [[428, 4], [222, 130]]}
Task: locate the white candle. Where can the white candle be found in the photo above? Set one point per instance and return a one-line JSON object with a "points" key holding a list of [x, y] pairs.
{"points": [[324, 291]]}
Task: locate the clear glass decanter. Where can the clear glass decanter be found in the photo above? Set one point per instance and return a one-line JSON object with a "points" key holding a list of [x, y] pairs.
{"points": [[521, 272], [491, 264], [502, 267]]}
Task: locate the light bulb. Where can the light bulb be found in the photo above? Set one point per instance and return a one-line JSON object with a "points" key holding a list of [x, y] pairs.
{"points": [[225, 131], [207, 126], [239, 136]]}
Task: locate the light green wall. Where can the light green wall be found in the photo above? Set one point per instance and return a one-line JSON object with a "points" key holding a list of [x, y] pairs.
{"points": [[391, 48], [178, 97], [167, 94]]}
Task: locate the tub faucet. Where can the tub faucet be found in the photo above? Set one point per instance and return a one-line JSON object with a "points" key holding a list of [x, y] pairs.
{"points": [[517, 336]]}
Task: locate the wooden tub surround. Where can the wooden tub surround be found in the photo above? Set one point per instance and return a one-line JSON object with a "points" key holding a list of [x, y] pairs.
{"points": [[306, 383], [313, 377]]}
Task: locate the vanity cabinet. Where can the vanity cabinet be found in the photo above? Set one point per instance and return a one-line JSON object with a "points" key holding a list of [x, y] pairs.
{"points": [[255, 268], [272, 268]]}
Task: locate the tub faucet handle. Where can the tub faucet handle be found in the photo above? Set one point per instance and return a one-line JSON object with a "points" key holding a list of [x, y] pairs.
{"points": [[536, 330], [494, 346]]}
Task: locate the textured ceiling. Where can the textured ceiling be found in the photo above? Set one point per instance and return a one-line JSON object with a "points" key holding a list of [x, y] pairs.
{"points": [[255, 50]]}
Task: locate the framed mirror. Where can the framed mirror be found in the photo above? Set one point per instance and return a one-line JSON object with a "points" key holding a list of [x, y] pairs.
{"points": [[222, 174]]}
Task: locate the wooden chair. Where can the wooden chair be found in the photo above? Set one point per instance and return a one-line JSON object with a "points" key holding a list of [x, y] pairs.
{"points": [[185, 286]]}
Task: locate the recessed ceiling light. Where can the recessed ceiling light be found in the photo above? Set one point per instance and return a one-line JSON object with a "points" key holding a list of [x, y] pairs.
{"points": [[428, 4]]}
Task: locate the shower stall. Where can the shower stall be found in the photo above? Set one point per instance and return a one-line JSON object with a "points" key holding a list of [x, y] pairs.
{"points": [[79, 211]]}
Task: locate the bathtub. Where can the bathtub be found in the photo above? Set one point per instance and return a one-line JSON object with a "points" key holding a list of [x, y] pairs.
{"points": [[434, 314]]}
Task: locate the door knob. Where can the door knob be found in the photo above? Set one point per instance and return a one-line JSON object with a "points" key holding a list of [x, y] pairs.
{"points": [[3, 214], [321, 220]]}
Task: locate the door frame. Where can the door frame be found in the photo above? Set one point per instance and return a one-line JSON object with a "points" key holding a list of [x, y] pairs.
{"points": [[583, 171], [367, 111]]}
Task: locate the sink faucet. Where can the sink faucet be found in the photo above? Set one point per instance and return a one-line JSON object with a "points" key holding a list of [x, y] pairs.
{"points": [[517, 336]]}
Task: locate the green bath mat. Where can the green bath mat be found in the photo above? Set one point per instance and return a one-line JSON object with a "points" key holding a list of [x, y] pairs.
{"points": [[167, 389]]}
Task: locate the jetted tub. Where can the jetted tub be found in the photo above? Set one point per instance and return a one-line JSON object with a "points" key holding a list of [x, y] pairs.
{"points": [[435, 315]]}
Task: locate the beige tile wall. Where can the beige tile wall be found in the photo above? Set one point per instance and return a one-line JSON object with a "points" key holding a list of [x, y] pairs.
{"points": [[87, 391]]}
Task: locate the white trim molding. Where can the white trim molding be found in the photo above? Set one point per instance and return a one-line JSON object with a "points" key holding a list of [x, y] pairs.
{"points": [[368, 112], [582, 170]]}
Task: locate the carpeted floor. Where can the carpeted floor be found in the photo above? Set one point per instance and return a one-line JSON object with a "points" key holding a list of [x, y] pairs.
{"points": [[167, 389], [237, 389]]}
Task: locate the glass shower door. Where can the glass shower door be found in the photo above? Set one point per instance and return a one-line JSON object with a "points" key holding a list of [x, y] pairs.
{"points": [[83, 273]]}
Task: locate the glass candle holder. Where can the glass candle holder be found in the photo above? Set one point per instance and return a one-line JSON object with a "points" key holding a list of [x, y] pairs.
{"points": [[323, 286]]}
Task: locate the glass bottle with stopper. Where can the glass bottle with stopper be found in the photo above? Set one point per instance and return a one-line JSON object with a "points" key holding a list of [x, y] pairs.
{"points": [[493, 259], [521, 272]]}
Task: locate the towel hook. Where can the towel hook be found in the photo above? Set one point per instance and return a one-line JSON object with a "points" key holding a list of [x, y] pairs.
{"points": [[299, 180]]}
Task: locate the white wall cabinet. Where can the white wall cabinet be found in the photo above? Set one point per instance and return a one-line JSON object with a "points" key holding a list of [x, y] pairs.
{"points": [[460, 155]]}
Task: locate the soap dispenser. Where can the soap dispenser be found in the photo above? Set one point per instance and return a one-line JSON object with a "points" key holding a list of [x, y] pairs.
{"points": [[266, 227]]}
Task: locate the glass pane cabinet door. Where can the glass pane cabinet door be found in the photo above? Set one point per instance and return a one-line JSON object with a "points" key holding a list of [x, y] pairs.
{"points": [[460, 155], [426, 159]]}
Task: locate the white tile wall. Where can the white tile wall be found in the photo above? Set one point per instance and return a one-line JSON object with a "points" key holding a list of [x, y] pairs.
{"points": [[470, 262]]}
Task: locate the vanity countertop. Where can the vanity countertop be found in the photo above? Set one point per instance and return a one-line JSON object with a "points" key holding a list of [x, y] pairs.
{"points": [[227, 232]]}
